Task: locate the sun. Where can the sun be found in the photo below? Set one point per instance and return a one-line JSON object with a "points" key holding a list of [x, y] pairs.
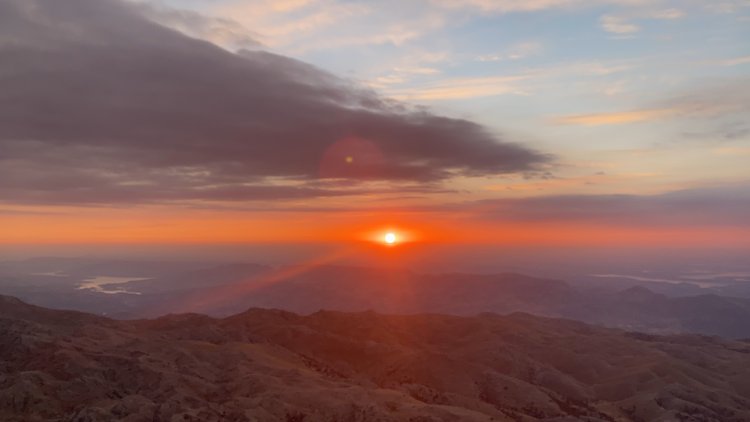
{"points": [[390, 238]]}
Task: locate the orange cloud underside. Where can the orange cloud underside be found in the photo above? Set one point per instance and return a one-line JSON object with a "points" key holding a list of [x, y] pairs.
{"points": [[617, 117]]}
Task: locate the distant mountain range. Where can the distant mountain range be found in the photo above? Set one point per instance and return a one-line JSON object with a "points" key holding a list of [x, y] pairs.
{"points": [[221, 290], [271, 365]]}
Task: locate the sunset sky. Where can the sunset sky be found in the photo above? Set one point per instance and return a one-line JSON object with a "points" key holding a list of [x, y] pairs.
{"points": [[538, 122]]}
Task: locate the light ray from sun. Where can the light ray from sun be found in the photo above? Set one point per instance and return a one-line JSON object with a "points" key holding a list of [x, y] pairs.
{"points": [[221, 294]]}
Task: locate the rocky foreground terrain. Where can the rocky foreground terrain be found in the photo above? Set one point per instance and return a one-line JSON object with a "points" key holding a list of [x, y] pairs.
{"points": [[268, 365]]}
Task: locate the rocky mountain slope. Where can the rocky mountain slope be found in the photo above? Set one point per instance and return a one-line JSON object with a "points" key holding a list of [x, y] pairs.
{"points": [[268, 365]]}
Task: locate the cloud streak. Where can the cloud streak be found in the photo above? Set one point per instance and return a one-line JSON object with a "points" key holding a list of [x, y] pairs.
{"points": [[616, 118], [618, 25], [728, 99], [699, 207]]}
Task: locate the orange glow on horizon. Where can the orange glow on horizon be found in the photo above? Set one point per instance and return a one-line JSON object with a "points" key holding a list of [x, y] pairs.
{"points": [[165, 226]]}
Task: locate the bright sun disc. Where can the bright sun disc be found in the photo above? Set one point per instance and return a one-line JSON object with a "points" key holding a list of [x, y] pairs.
{"points": [[390, 238]]}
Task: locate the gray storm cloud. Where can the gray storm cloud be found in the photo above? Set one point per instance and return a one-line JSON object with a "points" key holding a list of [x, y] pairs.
{"points": [[100, 104]]}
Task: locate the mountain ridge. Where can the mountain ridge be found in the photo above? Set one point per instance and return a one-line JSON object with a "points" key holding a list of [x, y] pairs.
{"points": [[228, 289]]}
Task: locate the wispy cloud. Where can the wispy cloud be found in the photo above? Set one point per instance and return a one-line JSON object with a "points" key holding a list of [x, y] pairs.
{"points": [[522, 83], [417, 70], [726, 6], [623, 23], [684, 109], [728, 99], [618, 25], [514, 6], [515, 52], [416, 65], [666, 14], [617, 118], [463, 88], [307, 26], [505, 6], [218, 30], [736, 61]]}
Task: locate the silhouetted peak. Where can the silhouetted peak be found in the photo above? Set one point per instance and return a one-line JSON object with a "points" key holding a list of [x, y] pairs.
{"points": [[10, 300]]}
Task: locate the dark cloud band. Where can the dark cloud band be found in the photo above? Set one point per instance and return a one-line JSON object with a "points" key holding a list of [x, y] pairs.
{"points": [[93, 93], [701, 207]]}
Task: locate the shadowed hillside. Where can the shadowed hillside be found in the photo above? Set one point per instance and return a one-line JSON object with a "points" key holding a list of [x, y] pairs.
{"points": [[268, 365]]}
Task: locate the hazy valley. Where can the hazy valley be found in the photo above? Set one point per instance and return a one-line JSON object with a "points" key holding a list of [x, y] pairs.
{"points": [[159, 288]]}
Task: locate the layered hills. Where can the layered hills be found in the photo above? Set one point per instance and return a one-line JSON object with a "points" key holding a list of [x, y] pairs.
{"points": [[154, 289]]}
